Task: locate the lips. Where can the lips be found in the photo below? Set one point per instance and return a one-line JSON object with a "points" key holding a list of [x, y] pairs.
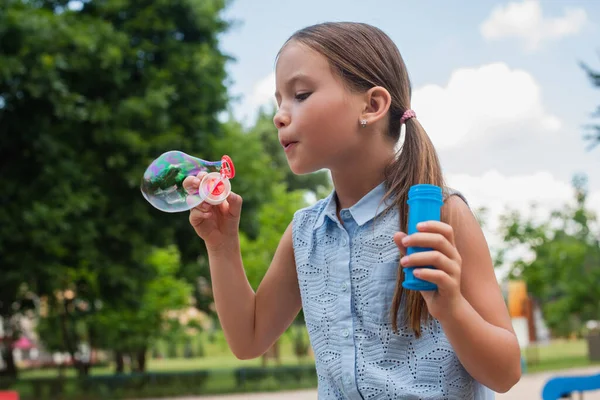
{"points": [[288, 143]]}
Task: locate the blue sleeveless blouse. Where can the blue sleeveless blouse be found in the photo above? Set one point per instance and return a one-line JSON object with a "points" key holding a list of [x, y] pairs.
{"points": [[347, 275]]}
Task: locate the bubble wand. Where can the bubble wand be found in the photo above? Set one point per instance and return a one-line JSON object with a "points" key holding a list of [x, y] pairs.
{"points": [[162, 183]]}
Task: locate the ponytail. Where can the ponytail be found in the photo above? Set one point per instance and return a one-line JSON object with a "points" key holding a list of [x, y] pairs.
{"points": [[417, 163]]}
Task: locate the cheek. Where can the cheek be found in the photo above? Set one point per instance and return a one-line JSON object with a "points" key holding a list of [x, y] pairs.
{"points": [[331, 119]]}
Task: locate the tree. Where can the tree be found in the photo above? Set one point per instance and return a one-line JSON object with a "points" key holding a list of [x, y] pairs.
{"points": [[563, 272], [127, 331], [261, 172], [134, 331], [594, 136], [273, 218], [88, 97]]}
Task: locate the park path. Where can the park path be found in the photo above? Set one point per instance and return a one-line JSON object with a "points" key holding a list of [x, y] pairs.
{"points": [[529, 388]]}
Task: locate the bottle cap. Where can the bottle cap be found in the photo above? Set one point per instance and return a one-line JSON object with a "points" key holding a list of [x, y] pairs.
{"points": [[425, 190]]}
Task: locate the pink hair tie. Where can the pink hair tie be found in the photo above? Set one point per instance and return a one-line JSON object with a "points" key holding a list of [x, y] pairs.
{"points": [[408, 114]]}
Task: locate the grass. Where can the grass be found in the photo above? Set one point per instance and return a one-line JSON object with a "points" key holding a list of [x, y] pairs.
{"points": [[176, 365], [557, 355], [217, 356]]}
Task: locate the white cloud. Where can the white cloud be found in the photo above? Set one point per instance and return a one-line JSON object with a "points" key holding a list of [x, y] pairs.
{"points": [[263, 92], [525, 20], [496, 192], [481, 102], [499, 193]]}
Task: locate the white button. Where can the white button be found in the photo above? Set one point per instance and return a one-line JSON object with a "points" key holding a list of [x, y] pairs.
{"points": [[345, 214], [348, 380], [344, 242], [345, 333], [344, 286]]}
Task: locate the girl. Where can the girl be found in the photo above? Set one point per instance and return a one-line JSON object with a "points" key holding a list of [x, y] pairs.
{"points": [[343, 94]]}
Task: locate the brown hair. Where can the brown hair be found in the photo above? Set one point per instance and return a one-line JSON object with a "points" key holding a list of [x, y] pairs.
{"points": [[364, 57]]}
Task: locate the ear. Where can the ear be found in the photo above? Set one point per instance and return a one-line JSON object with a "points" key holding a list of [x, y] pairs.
{"points": [[377, 103]]}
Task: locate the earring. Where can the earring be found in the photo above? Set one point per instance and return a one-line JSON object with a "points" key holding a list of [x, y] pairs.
{"points": [[363, 123]]}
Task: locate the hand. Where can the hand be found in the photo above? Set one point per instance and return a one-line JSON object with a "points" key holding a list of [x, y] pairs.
{"points": [[444, 257], [217, 225]]}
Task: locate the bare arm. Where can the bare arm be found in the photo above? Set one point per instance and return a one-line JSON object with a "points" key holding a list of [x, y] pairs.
{"points": [[480, 330], [253, 322]]}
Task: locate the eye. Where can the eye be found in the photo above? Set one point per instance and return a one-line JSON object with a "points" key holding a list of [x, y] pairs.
{"points": [[302, 96]]}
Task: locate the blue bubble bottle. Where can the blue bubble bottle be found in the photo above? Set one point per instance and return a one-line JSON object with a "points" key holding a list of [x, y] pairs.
{"points": [[424, 204]]}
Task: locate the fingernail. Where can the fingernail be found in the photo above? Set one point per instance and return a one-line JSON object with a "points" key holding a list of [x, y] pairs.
{"points": [[405, 240], [404, 260], [422, 225]]}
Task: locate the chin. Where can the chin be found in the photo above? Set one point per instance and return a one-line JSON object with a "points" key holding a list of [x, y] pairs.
{"points": [[301, 169]]}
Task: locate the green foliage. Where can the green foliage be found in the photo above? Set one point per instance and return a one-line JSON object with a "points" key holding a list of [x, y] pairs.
{"points": [[261, 167], [564, 272], [124, 329], [261, 164], [255, 175], [87, 99], [273, 218], [136, 329]]}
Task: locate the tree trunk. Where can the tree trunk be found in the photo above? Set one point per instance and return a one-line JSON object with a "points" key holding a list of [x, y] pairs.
{"points": [[9, 327], [119, 362], [70, 341], [272, 353], [141, 360], [86, 364], [9, 360], [83, 369]]}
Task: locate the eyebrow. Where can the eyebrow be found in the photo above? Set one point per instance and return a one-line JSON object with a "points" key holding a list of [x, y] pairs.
{"points": [[293, 79]]}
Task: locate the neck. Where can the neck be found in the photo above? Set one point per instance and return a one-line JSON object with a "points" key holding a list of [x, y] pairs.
{"points": [[361, 174]]}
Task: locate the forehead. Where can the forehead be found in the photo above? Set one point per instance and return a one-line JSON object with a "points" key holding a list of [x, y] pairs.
{"points": [[296, 58]]}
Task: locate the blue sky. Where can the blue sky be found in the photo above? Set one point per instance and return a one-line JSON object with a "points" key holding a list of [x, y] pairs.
{"points": [[511, 66], [434, 38]]}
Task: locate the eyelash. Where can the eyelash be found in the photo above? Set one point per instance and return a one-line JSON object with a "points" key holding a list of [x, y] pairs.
{"points": [[302, 96]]}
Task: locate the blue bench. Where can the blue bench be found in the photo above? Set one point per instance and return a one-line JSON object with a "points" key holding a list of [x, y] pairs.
{"points": [[563, 386]]}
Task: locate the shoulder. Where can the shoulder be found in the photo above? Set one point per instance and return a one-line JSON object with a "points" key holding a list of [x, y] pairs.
{"points": [[451, 194], [304, 223], [312, 212], [457, 213]]}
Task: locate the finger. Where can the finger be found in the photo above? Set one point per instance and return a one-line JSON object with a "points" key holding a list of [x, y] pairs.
{"points": [[398, 236], [198, 216], [191, 184], [434, 241], [438, 227], [205, 207], [234, 205], [223, 207], [440, 278], [431, 258]]}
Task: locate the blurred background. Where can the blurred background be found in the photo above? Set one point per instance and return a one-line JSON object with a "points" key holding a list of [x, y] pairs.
{"points": [[103, 296]]}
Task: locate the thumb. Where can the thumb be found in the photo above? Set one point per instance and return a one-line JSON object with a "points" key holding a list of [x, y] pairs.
{"points": [[398, 236], [233, 206]]}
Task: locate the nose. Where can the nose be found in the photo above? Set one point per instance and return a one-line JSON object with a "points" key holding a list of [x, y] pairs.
{"points": [[281, 119]]}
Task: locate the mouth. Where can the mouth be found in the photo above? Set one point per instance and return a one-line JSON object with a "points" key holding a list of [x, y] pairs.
{"points": [[288, 144]]}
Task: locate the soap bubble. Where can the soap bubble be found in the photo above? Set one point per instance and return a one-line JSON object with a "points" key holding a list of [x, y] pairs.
{"points": [[162, 184]]}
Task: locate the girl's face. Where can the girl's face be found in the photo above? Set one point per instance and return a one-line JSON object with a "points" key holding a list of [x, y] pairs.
{"points": [[317, 117]]}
